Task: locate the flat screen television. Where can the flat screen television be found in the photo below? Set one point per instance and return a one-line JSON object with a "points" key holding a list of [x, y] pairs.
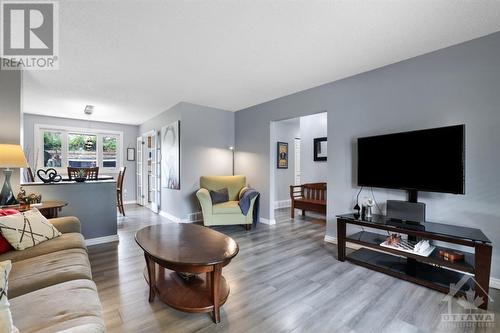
{"points": [[431, 160]]}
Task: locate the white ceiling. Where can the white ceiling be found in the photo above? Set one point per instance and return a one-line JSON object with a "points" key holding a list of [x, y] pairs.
{"points": [[134, 59]]}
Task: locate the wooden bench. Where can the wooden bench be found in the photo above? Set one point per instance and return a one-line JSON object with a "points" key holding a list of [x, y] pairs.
{"points": [[311, 197]]}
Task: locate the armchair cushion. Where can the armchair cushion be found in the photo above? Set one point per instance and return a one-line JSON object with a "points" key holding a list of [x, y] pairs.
{"points": [[219, 196], [228, 207]]}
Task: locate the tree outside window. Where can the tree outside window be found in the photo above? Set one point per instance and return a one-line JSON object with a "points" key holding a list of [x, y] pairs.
{"points": [[52, 149], [82, 150]]}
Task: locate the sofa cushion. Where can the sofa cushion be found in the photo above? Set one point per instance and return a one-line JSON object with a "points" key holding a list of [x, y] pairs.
{"points": [[27, 229], [58, 307], [5, 313], [47, 270], [233, 183], [4, 244], [63, 242], [228, 207]]}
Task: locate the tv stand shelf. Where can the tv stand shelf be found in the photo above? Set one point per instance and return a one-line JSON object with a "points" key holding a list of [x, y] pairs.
{"points": [[432, 271]]}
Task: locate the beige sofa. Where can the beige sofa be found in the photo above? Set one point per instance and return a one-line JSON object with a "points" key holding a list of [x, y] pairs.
{"points": [[51, 287]]}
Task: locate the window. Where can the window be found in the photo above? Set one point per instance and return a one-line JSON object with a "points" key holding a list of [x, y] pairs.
{"points": [[78, 148], [82, 150], [109, 151], [52, 149]]}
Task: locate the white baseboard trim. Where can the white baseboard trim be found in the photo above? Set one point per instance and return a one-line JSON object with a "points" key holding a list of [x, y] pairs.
{"points": [[171, 217], [130, 202], [267, 221], [333, 240], [102, 240], [330, 239], [193, 217], [283, 204], [494, 282]]}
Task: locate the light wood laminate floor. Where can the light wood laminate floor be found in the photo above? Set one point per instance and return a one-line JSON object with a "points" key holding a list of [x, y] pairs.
{"points": [[284, 279]]}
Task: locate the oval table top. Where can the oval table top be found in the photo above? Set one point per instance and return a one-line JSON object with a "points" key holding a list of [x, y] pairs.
{"points": [[186, 244]]}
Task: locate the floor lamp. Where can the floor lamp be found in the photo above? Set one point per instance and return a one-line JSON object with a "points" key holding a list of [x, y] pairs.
{"points": [[231, 148], [11, 156]]}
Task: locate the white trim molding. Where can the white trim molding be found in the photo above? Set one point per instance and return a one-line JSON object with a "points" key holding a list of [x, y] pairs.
{"points": [[192, 217], [330, 239], [130, 202], [102, 240], [65, 130], [494, 282], [283, 204], [267, 221]]}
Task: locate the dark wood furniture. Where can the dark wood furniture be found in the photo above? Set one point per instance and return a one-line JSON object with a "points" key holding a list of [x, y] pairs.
{"points": [[49, 209], [175, 247], [433, 271], [119, 190], [90, 173], [311, 197]]}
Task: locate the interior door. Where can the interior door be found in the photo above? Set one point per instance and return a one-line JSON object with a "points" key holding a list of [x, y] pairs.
{"points": [[297, 161], [154, 171], [139, 180]]}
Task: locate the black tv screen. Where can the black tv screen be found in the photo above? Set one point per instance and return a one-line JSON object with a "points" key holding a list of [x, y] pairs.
{"points": [[430, 160]]}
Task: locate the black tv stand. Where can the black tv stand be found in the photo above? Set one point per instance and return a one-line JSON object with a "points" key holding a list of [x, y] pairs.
{"points": [[432, 271]]}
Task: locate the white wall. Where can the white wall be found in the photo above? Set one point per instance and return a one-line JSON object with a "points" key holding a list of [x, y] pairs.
{"points": [[311, 127], [206, 133], [459, 84]]}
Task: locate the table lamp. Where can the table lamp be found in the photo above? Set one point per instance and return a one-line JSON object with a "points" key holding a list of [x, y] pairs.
{"points": [[11, 156]]}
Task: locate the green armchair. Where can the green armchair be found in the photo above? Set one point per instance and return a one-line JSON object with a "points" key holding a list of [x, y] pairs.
{"points": [[226, 213]]}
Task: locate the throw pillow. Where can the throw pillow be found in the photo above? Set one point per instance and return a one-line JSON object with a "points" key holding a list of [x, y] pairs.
{"points": [[5, 315], [27, 229], [4, 245], [219, 196]]}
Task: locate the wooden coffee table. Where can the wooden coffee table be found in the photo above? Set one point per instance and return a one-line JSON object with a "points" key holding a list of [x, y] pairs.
{"points": [[175, 247]]}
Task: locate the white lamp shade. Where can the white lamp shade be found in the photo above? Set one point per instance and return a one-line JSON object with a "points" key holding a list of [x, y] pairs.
{"points": [[12, 156]]}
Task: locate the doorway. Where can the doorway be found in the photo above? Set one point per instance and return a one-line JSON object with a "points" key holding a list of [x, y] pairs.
{"points": [[299, 166], [148, 170]]}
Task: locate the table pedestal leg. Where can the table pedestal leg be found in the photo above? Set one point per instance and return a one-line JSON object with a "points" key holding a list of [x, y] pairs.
{"points": [[215, 279], [150, 264]]}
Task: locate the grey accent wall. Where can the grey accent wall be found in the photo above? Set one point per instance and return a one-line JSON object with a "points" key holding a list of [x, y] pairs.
{"points": [[10, 115], [206, 133], [130, 134], [311, 127], [459, 84], [92, 202], [285, 131]]}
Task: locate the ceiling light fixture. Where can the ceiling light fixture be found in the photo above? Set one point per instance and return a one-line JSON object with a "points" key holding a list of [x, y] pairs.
{"points": [[89, 109], [89, 144]]}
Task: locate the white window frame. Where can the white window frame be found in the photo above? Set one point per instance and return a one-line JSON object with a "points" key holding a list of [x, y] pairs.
{"points": [[64, 130]]}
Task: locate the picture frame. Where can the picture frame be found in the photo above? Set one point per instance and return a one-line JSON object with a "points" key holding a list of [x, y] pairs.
{"points": [[170, 156], [320, 149], [130, 154], [282, 155]]}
